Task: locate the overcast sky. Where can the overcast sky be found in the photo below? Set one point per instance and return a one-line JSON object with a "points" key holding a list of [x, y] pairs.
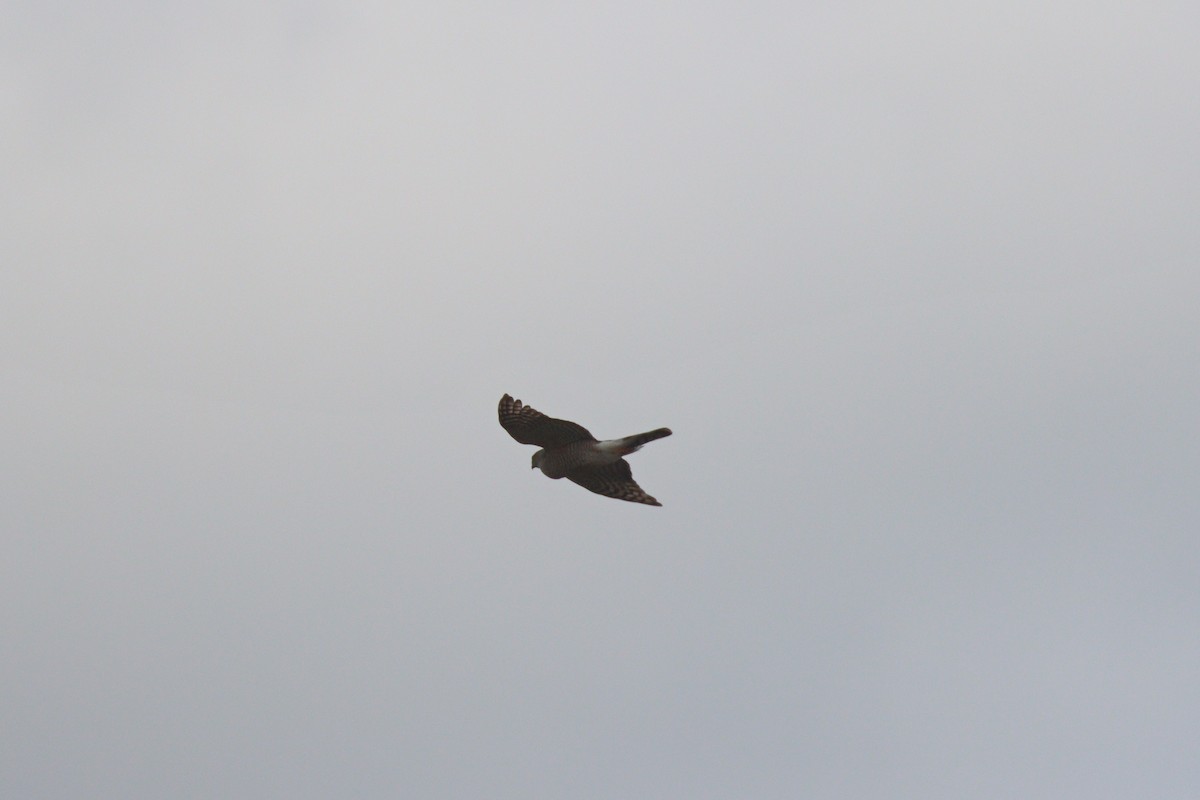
{"points": [[915, 285]]}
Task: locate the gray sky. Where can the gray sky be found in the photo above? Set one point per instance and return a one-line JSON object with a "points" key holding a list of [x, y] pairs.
{"points": [[915, 286]]}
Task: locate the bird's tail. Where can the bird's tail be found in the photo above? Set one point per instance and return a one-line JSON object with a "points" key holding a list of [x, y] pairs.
{"points": [[631, 443]]}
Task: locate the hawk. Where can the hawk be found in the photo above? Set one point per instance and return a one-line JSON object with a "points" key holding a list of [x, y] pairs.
{"points": [[569, 451]]}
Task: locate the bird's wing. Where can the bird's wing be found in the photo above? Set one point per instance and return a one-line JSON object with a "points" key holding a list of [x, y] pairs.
{"points": [[612, 480], [528, 426]]}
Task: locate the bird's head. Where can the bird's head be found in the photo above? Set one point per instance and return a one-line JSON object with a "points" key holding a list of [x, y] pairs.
{"points": [[537, 459]]}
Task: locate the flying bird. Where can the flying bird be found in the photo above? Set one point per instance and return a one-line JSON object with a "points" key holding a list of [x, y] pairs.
{"points": [[569, 451]]}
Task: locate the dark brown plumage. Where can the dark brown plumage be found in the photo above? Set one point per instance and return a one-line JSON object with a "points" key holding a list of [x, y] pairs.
{"points": [[570, 451]]}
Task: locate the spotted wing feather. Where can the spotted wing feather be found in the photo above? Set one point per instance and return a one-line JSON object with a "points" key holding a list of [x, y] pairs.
{"points": [[612, 480], [528, 426]]}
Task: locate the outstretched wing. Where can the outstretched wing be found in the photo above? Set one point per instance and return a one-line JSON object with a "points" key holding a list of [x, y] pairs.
{"points": [[612, 480], [533, 427]]}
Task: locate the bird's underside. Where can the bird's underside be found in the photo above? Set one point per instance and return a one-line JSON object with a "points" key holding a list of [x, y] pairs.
{"points": [[570, 451]]}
